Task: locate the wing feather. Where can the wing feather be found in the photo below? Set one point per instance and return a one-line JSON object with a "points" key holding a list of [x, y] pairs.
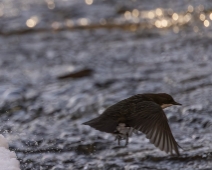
{"points": [[152, 121]]}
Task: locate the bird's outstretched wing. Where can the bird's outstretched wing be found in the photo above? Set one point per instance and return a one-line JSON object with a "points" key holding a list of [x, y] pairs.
{"points": [[149, 118]]}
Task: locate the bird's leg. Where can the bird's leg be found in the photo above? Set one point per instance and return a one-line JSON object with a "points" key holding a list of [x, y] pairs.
{"points": [[118, 138]]}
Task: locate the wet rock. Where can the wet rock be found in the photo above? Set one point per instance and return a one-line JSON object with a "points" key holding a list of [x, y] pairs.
{"points": [[85, 149], [77, 74], [104, 84]]}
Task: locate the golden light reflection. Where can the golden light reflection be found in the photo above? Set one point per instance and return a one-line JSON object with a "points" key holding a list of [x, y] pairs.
{"points": [[175, 16], [151, 15], [69, 23], [83, 21], [210, 16], [89, 2], [56, 25], [158, 24], [187, 17], [159, 12], [127, 15], [135, 13], [162, 18], [202, 17], [190, 8], [164, 23], [181, 20], [206, 23], [51, 4], [200, 8], [144, 14], [31, 22]]}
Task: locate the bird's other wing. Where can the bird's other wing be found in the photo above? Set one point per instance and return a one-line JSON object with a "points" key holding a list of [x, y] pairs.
{"points": [[149, 118]]}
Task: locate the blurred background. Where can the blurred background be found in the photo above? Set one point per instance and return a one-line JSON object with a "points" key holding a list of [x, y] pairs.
{"points": [[63, 62]]}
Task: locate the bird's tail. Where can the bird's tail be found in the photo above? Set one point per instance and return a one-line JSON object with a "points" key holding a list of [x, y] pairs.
{"points": [[102, 124]]}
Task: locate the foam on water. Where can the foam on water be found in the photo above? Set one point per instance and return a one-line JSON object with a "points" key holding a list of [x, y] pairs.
{"points": [[8, 159]]}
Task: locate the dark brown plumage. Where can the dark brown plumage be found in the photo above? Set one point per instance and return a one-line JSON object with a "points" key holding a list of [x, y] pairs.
{"points": [[143, 112]]}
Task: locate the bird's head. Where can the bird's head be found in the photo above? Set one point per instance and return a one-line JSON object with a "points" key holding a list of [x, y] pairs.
{"points": [[163, 99]]}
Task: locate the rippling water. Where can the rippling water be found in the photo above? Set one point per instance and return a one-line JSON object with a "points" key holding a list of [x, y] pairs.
{"points": [[113, 49]]}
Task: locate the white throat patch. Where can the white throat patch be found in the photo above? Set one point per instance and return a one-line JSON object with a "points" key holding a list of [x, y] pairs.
{"points": [[166, 105]]}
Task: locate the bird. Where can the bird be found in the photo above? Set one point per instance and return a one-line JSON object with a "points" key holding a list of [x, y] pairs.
{"points": [[141, 112]]}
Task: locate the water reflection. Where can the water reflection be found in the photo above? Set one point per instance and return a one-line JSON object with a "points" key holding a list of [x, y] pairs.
{"points": [[190, 8], [206, 23], [161, 18], [32, 22], [50, 4], [89, 2], [83, 21]]}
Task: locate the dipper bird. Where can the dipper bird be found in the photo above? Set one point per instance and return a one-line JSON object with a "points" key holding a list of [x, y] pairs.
{"points": [[142, 112]]}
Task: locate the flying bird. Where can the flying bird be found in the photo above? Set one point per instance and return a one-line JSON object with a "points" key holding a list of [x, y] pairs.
{"points": [[141, 112]]}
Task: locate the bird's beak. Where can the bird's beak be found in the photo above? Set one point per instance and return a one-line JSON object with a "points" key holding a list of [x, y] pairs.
{"points": [[175, 103]]}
